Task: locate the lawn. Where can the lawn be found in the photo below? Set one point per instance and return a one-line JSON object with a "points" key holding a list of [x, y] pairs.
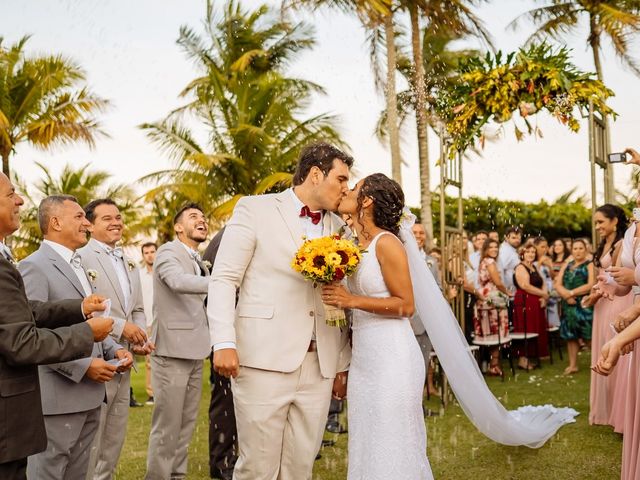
{"points": [[456, 450]]}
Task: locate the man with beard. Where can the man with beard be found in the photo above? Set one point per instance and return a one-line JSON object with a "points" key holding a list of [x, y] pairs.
{"points": [[180, 334]]}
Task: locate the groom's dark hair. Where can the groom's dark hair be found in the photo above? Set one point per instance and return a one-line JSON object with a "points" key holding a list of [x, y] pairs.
{"points": [[319, 155]]}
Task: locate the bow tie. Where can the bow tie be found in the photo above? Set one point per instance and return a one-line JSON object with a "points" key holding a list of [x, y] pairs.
{"points": [[115, 252], [76, 260], [314, 216]]}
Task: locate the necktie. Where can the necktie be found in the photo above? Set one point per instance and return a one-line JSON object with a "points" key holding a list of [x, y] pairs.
{"points": [[196, 257], [314, 216], [76, 260], [6, 254], [116, 252]]}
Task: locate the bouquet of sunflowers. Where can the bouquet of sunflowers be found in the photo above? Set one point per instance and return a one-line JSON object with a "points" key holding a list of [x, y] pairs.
{"points": [[326, 260]]}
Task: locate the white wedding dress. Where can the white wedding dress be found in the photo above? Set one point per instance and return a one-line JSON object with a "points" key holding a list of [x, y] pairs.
{"points": [[387, 434]]}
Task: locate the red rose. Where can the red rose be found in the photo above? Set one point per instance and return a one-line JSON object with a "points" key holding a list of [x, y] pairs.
{"points": [[339, 274]]}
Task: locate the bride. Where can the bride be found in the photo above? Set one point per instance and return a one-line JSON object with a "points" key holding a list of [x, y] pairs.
{"points": [[387, 435], [387, 432]]}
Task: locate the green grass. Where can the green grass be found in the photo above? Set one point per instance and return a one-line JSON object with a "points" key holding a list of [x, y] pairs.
{"points": [[456, 450]]}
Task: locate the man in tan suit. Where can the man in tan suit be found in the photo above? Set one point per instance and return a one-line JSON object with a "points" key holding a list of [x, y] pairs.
{"points": [[284, 358]]}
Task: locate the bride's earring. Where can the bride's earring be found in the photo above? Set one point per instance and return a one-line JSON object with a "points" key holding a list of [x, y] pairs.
{"points": [[360, 214]]}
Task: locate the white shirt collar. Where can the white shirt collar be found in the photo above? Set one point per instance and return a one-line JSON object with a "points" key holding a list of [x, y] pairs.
{"points": [[61, 250], [299, 203], [189, 250], [103, 245], [4, 248]]}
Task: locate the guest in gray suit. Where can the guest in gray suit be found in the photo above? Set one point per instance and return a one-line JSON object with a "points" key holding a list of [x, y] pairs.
{"points": [[32, 333], [116, 278], [72, 392], [180, 333]]}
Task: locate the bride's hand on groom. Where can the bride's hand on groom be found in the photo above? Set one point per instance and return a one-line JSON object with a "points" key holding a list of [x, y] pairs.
{"points": [[226, 363], [336, 295]]}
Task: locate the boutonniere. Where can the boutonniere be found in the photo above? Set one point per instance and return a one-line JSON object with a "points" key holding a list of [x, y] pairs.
{"points": [[93, 275], [131, 265], [207, 264]]}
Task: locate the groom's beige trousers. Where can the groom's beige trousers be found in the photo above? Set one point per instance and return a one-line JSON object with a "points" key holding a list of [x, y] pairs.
{"points": [[280, 419]]}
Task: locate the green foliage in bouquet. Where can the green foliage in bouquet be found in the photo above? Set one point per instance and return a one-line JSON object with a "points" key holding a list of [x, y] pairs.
{"points": [[536, 78]]}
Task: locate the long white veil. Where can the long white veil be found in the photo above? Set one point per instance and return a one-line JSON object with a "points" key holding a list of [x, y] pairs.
{"points": [[531, 426]]}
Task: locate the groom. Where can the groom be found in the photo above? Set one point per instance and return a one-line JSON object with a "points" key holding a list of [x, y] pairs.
{"points": [[285, 360]]}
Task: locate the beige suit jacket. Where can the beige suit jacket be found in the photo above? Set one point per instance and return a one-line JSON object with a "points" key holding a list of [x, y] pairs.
{"points": [[277, 308]]}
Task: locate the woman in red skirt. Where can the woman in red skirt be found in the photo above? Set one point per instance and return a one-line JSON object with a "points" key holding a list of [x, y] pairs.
{"points": [[529, 306]]}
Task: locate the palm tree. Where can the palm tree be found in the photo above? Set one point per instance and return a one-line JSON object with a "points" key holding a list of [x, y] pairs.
{"points": [[252, 114], [617, 20], [456, 18], [377, 16], [44, 101], [85, 185]]}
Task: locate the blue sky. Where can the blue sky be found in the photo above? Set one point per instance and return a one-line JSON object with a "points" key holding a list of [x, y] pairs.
{"points": [[129, 52]]}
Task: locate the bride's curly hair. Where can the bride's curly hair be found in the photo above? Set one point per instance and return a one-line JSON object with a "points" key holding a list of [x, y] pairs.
{"points": [[388, 201]]}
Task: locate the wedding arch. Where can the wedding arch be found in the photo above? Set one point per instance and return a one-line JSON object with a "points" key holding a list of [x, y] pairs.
{"points": [[513, 88]]}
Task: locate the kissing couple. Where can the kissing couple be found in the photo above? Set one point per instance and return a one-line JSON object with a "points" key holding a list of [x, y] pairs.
{"points": [[286, 362]]}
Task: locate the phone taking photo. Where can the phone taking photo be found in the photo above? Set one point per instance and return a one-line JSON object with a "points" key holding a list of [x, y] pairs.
{"points": [[617, 157]]}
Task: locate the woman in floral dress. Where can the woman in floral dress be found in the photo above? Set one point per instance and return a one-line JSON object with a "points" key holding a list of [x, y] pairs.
{"points": [[490, 316]]}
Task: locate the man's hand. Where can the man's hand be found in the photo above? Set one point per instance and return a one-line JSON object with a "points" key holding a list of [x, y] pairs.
{"points": [[623, 276], [145, 349], [100, 371], [101, 327], [339, 390], [226, 363], [124, 354], [93, 303], [134, 334]]}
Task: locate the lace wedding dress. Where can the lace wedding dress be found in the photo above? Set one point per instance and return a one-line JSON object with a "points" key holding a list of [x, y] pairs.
{"points": [[387, 434]]}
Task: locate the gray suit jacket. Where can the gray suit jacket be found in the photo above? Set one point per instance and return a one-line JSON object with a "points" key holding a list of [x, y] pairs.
{"points": [[64, 387], [106, 283], [180, 328]]}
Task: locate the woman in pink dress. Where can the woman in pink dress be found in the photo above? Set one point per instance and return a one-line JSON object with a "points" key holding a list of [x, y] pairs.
{"points": [[607, 394]]}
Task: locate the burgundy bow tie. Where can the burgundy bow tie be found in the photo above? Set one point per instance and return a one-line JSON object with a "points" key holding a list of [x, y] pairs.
{"points": [[314, 216]]}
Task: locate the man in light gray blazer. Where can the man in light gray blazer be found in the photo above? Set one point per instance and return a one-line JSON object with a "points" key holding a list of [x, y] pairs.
{"points": [[180, 333], [117, 278], [72, 392]]}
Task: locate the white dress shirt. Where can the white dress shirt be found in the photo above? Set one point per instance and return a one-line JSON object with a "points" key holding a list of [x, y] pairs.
{"points": [[6, 252], [121, 271], [66, 255], [146, 282], [308, 228], [508, 260], [193, 254]]}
